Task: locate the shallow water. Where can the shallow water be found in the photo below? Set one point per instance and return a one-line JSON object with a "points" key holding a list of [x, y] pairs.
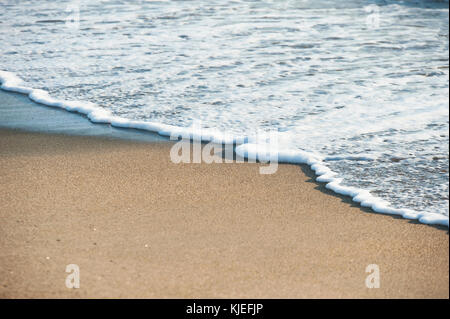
{"points": [[364, 84]]}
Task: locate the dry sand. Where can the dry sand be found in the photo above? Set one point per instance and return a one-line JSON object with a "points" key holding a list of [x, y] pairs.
{"points": [[140, 226]]}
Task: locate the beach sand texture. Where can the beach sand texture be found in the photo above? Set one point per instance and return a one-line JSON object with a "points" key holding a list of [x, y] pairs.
{"points": [[141, 226]]}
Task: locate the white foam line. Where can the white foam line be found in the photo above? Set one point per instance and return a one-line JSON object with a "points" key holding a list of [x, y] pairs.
{"points": [[95, 114], [326, 175]]}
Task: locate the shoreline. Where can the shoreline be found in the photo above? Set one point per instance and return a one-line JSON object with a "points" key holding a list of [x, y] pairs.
{"points": [[151, 132], [18, 111], [140, 226]]}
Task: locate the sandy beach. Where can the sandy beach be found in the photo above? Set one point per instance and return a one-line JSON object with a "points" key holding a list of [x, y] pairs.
{"points": [[140, 226]]}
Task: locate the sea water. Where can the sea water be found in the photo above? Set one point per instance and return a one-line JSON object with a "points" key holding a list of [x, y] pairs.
{"points": [[357, 89]]}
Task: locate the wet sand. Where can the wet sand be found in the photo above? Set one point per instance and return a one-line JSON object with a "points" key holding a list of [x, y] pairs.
{"points": [[141, 226]]}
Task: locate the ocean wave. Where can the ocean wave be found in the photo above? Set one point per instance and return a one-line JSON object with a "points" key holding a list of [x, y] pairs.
{"points": [[246, 148]]}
